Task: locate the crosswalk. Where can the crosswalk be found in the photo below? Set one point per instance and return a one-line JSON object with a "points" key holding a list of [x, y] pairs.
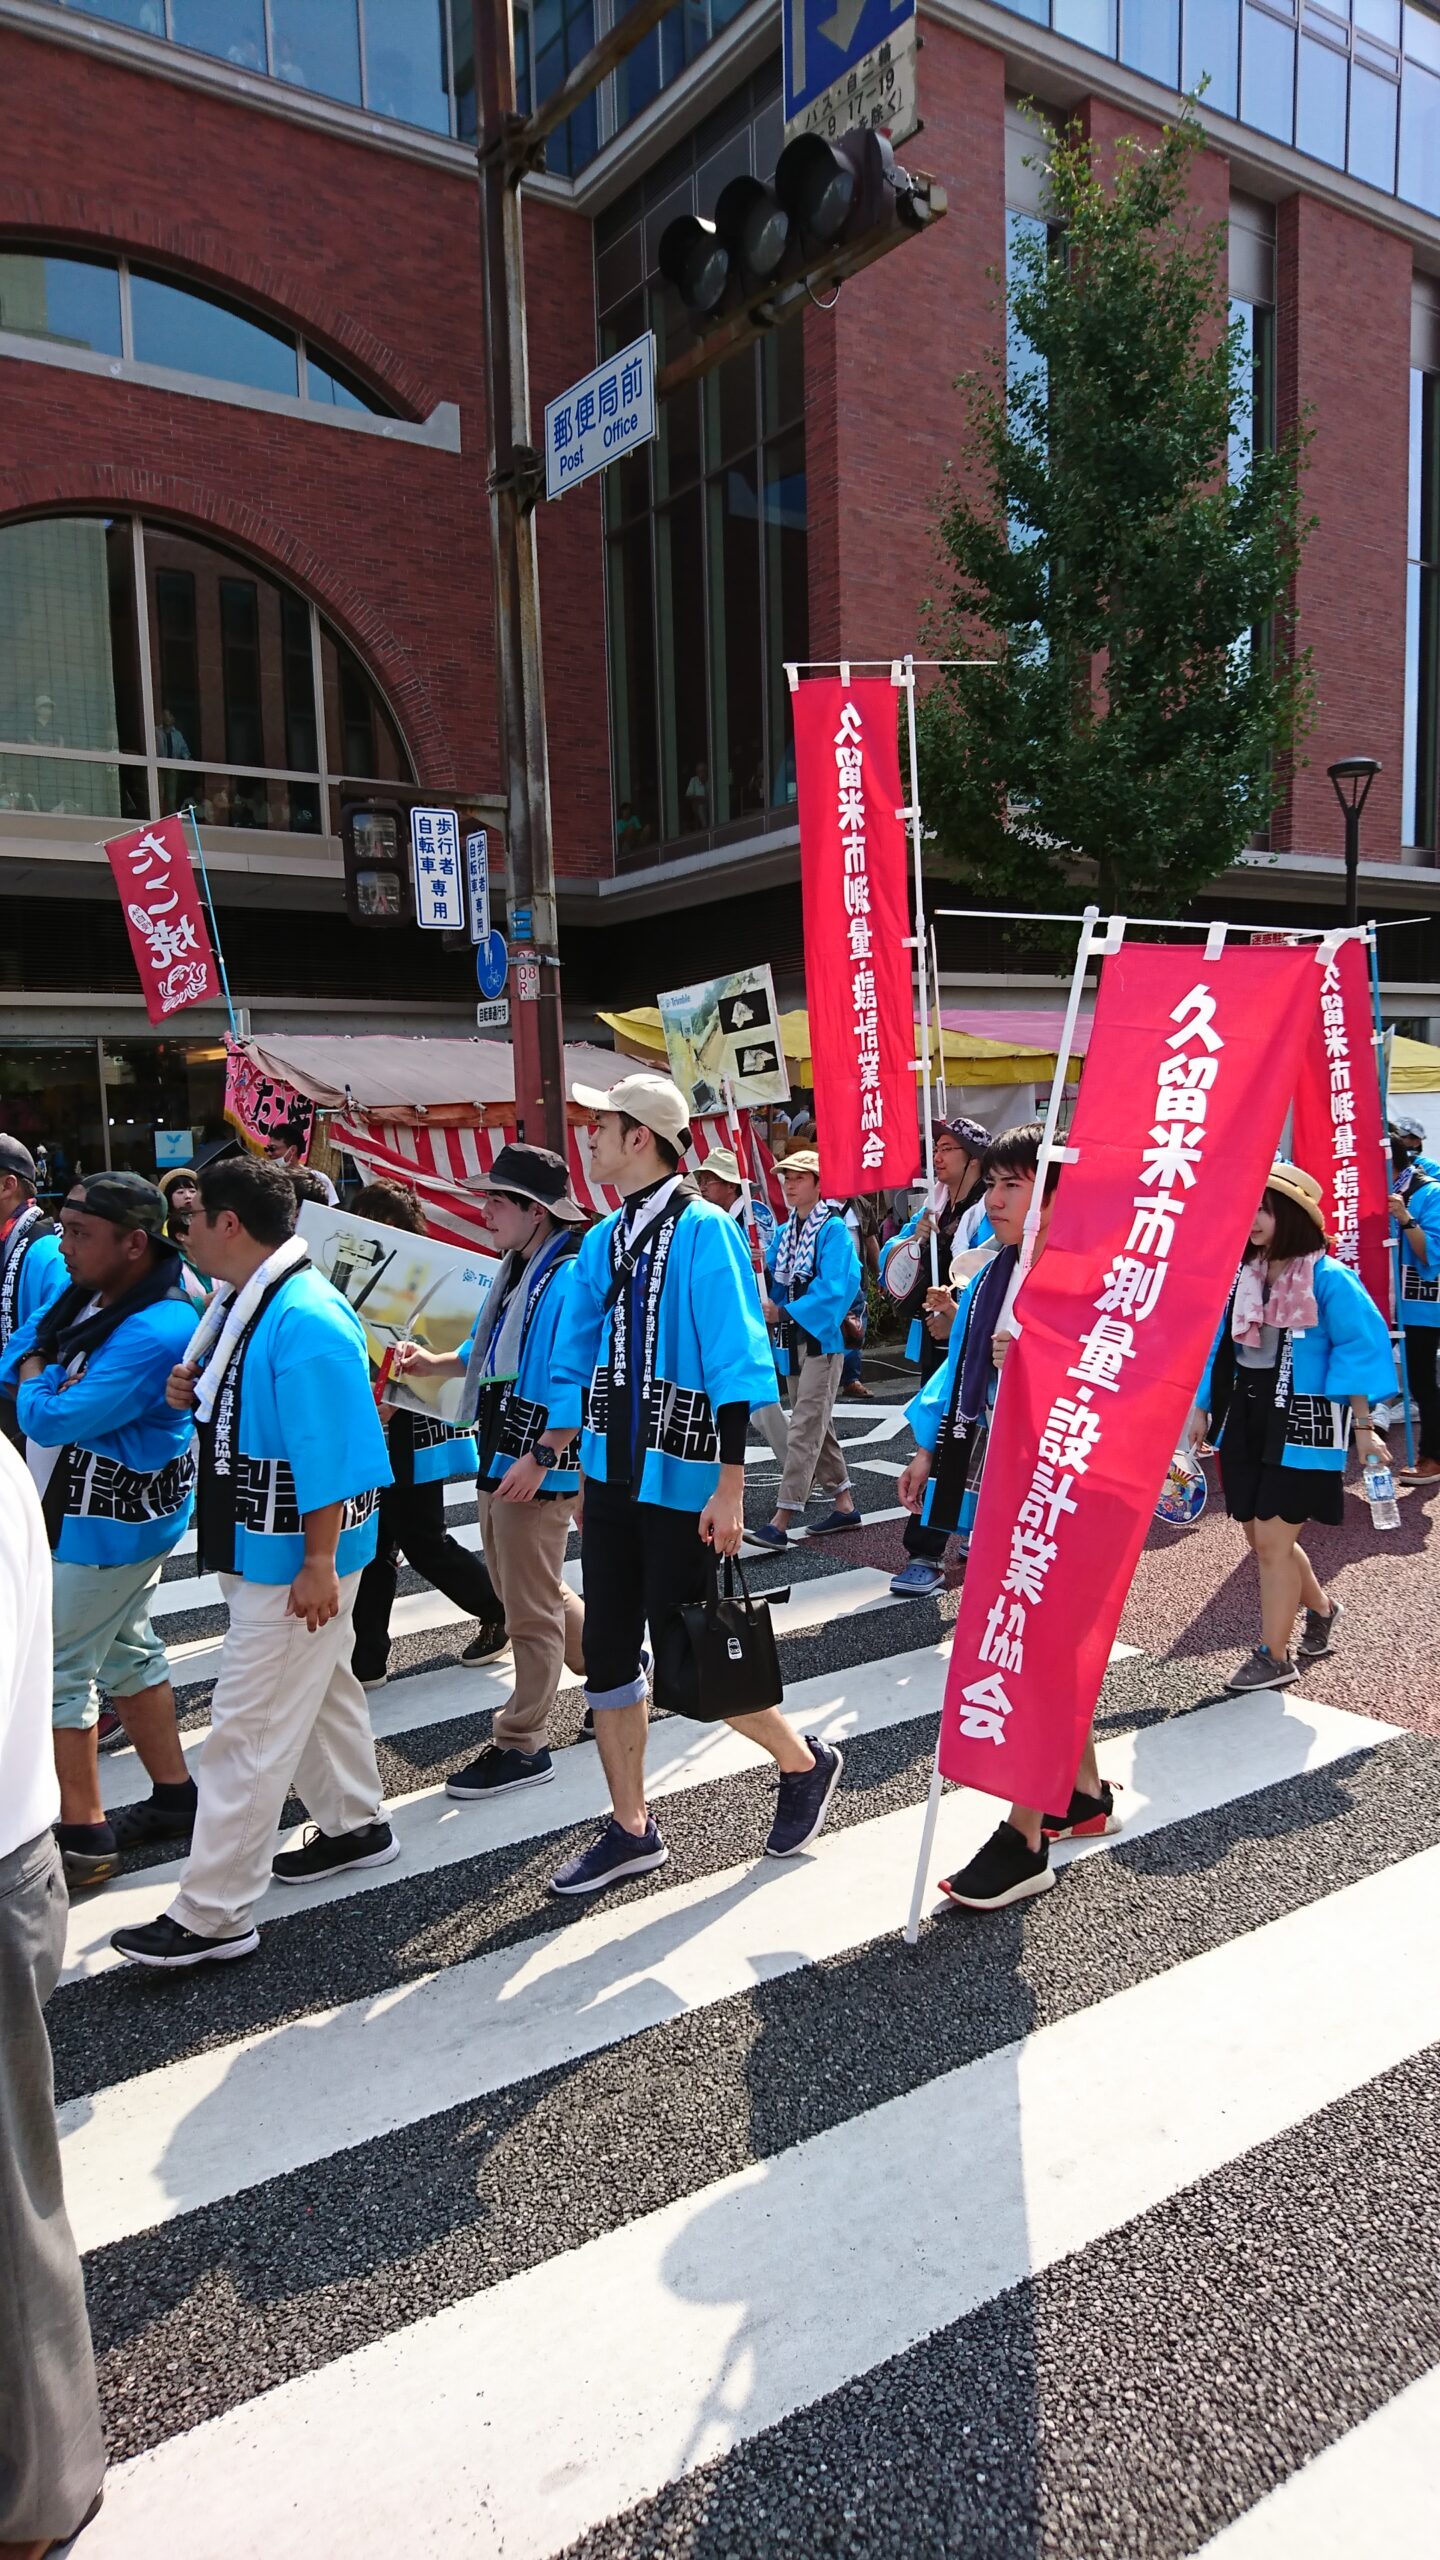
{"points": [[713, 2220]]}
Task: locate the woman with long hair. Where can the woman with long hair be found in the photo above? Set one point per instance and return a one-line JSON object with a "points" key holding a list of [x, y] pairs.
{"points": [[1302, 1351]]}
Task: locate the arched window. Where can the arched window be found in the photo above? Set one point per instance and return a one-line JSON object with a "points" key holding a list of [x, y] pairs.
{"points": [[143, 668], [120, 307]]}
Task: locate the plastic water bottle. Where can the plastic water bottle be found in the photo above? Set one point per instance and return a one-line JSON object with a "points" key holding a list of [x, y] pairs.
{"points": [[1380, 1494]]}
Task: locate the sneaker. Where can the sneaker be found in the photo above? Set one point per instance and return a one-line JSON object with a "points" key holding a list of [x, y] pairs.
{"points": [[319, 1856], [1006, 1870], [110, 1733], [918, 1580], [165, 1944], [613, 1855], [1262, 1671], [837, 1521], [489, 1639], [1320, 1633], [89, 1853], [140, 1826], [768, 1537], [1424, 1471], [805, 1801], [497, 1770], [1085, 1817]]}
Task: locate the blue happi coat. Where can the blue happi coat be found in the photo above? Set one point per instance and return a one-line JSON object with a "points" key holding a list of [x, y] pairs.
{"points": [[1346, 1354], [123, 1483], [305, 1432], [711, 1350], [1420, 1281], [820, 1304], [529, 1395]]}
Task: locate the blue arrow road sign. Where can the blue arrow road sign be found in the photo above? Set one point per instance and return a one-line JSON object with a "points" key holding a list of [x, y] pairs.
{"points": [[492, 965], [825, 38]]}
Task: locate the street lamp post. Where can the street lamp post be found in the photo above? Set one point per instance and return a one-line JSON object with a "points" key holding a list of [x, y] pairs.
{"points": [[1352, 777]]}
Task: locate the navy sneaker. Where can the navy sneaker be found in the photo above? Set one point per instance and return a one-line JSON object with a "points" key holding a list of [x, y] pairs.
{"points": [[319, 1856], [918, 1580], [836, 1521], [805, 1801], [165, 1945], [610, 1858], [497, 1770], [767, 1536]]}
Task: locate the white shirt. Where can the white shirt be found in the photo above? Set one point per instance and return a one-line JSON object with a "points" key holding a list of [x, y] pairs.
{"points": [[29, 1792]]}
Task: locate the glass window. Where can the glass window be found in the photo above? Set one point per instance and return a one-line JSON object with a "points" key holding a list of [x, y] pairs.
{"points": [[315, 44], [786, 599], [1267, 75], [74, 302], [736, 670], [631, 607], [1422, 36], [361, 738], [680, 582], [1378, 18], [338, 391], [146, 16], [1150, 38], [1420, 137], [1089, 22], [68, 657], [192, 332], [1374, 103], [179, 720], [1320, 105], [232, 30], [405, 62], [1211, 52], [1420, 811]]}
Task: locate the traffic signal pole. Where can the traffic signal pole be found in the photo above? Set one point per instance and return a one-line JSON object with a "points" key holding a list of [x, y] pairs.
{"points": [[510, 147]]}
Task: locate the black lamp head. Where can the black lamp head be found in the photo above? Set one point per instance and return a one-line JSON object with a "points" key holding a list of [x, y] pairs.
{"points": [[1352, 777]]}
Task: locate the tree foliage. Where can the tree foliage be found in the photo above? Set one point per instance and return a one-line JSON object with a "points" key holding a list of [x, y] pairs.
{"points": [[1109, 556]]}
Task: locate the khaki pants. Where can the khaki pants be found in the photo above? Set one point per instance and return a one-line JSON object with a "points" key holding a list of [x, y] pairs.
{"points": [[813, 1455], [287, 1710], [524, 1544]]}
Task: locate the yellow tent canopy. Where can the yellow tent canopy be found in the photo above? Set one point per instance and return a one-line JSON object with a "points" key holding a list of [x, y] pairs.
{"points": [[638, 1035], [1414, 1067]]}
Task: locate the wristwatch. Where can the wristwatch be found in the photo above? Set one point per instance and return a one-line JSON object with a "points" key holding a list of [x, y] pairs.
{"points": [[544, 1456]]}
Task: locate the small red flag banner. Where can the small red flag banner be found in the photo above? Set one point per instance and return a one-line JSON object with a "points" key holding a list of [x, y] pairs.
{"points": [[857, 919], [164, 918]]}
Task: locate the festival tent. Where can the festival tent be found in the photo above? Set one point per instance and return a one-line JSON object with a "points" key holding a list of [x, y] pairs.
{"points": [[971, 1058], [430, 1113], [1414, 1066]]}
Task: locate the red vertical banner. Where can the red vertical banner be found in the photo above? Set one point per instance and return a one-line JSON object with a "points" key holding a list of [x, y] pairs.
{"points": [[855, 893], [164, 918], [1340, 1136], [1190, 1071]]}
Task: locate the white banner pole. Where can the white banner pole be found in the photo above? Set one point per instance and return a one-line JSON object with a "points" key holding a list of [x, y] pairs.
{"points": [[1090, 944], [922, 972]]}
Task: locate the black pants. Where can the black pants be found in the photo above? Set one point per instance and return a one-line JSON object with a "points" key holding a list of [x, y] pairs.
{"points": [[929, 1544], [1422, 1341], [412, 1523], [639, 1561]]}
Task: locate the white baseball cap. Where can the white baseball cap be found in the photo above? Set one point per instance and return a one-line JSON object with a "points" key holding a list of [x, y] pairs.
{"points": [[652, 1100]]}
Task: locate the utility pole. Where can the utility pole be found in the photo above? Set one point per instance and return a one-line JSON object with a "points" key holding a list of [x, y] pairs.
{"points": [[510, 147]]}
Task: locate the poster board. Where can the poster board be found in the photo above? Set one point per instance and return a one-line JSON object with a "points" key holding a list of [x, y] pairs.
{"points": [[726, 1027], [403, 1288]]}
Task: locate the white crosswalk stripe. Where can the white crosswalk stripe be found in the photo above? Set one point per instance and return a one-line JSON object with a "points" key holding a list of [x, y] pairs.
{"points": [[464, 2222]]}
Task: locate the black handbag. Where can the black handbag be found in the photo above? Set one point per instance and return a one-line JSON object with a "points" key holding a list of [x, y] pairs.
{"points": [[717, 1657]]}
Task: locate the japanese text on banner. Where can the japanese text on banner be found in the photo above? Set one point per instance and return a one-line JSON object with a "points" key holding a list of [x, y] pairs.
{"points": [[1339, 1133], [857, 918], [163, 917], [1183, 1096]]}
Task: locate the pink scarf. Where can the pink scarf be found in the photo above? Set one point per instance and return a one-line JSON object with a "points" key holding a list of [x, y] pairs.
{"points": [[1285, 1298]]}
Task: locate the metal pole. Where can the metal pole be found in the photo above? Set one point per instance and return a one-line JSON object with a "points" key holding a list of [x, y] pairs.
{"points": [[1083, 958], [210, 910], [1396, 1258], [921, 954], [1352, 864], [514, 486]]}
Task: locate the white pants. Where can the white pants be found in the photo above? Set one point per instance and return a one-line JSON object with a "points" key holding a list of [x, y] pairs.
{"points": [[287, 1710]]}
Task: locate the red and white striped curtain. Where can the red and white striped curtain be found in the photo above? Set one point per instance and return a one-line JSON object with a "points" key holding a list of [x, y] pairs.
{"points": [[437, 1164]]}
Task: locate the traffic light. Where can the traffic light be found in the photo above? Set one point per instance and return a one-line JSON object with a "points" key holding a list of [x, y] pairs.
{"points": [[830, 209]]}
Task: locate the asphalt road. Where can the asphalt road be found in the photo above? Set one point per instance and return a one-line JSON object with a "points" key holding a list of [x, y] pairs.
{"points": [[711, 2221]]}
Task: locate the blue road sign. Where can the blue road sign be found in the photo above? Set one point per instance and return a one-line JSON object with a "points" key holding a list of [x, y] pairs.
{"points": [[492, 965], [825, 39], [595, 421]]}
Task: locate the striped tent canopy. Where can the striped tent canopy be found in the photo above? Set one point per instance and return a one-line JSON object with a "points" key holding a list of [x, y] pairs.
{"points": [[439, 1163]]}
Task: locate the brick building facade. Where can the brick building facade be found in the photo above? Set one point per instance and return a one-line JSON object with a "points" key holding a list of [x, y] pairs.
{"points": [[313, 231]]}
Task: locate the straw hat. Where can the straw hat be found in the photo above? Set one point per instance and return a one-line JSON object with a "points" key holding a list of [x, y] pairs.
{"points": [[1301, 1187]]}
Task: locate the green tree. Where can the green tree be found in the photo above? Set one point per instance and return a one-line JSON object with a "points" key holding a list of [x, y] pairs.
{"points": [[1106, 554]]}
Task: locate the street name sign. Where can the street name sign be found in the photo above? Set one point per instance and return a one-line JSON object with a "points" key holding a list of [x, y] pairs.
{"points": [[850, 63], [435, 867], [612, 411]]}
